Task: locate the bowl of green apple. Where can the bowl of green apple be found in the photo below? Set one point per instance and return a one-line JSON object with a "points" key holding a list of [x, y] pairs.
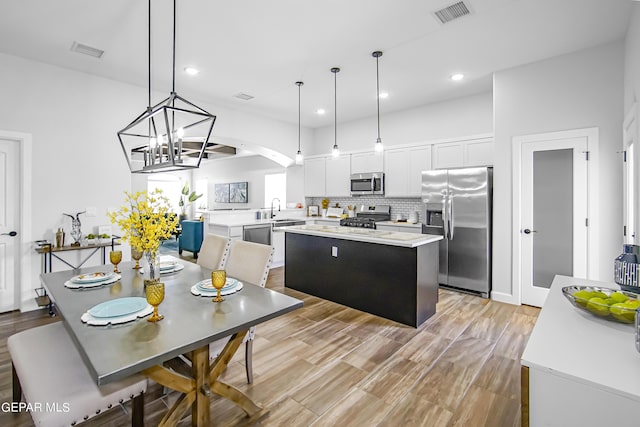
{"points": [[611, 304]]}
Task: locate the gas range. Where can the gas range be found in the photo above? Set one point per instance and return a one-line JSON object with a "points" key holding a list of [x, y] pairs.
{"points": [[368, 216], [358, 222]]}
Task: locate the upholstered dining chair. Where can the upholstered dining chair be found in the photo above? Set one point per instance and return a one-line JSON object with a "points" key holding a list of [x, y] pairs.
{"points": [[47, 369], [213, 252], [247, 262]]}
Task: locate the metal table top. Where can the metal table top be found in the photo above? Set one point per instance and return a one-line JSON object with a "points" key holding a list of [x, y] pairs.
{"points": [[117, 351]]}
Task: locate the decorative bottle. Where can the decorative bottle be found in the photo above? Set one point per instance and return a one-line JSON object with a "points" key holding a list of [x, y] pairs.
{"points": [[60, 238]]}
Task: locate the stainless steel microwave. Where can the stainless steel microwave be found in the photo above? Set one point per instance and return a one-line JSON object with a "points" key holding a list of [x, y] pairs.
{"points": [[367, 183]]}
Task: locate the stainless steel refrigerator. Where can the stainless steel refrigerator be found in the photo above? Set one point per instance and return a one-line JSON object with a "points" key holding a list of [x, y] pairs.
{"points": [[457, 205]]}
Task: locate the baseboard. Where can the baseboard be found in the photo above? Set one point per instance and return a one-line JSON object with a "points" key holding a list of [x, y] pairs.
{"points": [[503, 297]]}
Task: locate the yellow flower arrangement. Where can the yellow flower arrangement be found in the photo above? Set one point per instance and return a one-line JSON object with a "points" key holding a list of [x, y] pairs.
{"points": [[145, 220]]}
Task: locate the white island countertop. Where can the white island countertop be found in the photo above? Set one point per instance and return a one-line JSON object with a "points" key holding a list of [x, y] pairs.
{"points": [[408, 240], [581, 347]]}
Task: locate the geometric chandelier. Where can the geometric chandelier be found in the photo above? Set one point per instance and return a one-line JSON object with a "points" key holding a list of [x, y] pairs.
{"points": [[171, 135]]}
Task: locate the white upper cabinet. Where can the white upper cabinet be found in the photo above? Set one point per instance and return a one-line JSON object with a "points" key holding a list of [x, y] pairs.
{"points": [[338, 174], [403, 170], [463, 154], [366, 162], [314, 177]]}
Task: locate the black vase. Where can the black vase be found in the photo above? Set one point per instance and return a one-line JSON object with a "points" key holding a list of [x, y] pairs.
{"points": [[626, 268]]}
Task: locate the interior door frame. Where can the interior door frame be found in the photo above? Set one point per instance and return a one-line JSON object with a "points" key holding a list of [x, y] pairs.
{"points": [[25, 241], [592, 135], [630, 134]]}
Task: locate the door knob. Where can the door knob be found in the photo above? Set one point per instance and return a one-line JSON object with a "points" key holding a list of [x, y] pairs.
{"points": [[527, 231], [11, 233]]}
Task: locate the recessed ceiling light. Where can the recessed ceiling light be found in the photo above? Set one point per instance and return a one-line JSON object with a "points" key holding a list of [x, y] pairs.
{"points": [[191, 71], [320, 111], [384, 95], [457, 77]]}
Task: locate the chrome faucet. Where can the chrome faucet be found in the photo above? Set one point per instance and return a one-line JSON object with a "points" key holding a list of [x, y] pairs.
{"points": [[275, 198]]}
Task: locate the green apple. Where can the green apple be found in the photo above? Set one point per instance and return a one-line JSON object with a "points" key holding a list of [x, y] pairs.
{"points": [[619, 296], [598, 306]]}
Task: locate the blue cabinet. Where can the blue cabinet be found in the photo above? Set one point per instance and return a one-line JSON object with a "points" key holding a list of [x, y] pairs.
{"points": [[191, 237]]}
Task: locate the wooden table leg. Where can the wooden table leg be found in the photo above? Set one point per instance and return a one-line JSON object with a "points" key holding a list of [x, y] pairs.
{"points": [[200, 366], [196, 390]]}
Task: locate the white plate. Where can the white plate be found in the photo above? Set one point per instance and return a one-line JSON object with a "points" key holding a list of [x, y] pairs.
{"points": [[104, 321], [72, 285], [176, 267], [195, 290], [98, 276], [168, 265], [206, 285], [118, 307]]}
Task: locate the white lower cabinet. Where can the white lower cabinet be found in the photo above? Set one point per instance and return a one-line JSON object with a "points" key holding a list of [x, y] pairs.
{"points": [[277, 241]]}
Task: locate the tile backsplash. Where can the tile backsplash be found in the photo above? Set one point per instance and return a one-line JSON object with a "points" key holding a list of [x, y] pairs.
{"points": [[402, 207]]}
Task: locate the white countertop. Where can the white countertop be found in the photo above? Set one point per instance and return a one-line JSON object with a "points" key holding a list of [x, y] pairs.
{"points": [[579, 346], [239, 222], [401, 224], [409, 240]]}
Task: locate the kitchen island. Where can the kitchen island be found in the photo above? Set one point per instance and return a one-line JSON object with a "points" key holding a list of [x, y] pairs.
{"points": [[389, 274], [579, 369]]}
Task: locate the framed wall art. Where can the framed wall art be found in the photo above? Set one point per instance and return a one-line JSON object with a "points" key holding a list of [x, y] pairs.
{"points": [[238, 192], [221, 193]]}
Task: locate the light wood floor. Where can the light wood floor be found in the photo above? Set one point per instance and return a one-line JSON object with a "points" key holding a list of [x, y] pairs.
{"points": [[329, 365]]}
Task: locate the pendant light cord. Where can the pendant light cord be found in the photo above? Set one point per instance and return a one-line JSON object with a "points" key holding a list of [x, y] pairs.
{"points": [[378, 94], [149, 56], [299, 85], [335, 106], [173, 83]]}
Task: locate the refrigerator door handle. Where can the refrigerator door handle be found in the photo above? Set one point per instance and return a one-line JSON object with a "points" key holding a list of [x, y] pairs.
{"points": [[451, 223], [445, 216]]}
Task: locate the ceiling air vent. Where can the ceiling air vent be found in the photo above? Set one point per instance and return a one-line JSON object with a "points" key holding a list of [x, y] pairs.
{"points": [[87, 50], [452, 12], [243, 96]]}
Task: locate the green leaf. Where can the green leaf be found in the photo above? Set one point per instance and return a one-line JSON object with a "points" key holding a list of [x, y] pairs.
{"points": [[193, 197], [185, 189]]}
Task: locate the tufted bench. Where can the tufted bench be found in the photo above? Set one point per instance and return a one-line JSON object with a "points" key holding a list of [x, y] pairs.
{"points": [[51, 376]]}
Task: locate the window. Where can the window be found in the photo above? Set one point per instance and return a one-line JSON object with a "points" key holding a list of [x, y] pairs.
{"points": [[171, 187], [201, 188], [275, 186]]}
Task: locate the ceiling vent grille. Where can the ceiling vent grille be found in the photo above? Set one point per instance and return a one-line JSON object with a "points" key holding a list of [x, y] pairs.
{"points": [[452, 12], [86, 50], [243, 96]]}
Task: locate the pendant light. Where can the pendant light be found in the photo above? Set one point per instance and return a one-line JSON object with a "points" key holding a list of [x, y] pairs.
{"points": [[377, 54], [335, 152], [171, 135], [299, 158]]}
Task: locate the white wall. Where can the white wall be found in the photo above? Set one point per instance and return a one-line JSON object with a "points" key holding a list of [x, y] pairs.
{"points": [[251, 169], [471, 115], [632, 59], [77, 161], [578, 90]]}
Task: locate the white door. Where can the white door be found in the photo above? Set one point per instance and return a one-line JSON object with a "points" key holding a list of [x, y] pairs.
{"points": [[9, 217], [553, 227]]}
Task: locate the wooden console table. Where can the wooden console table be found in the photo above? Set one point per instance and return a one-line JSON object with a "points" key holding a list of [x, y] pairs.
{"points": [[48, 251]]}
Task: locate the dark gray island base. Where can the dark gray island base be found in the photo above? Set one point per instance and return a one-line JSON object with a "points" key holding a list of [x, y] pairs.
{"points": [[399, 283]]}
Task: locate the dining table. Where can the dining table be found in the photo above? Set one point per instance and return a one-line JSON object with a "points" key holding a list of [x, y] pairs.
{"points": [[191, 322]]}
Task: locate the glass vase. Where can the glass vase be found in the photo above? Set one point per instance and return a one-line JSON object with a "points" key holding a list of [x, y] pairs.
{"points": [[152, 269]]}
